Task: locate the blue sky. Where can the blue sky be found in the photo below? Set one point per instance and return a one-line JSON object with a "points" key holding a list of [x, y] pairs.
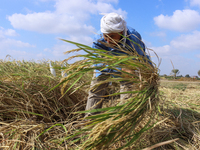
{"points": [[30, 29]]}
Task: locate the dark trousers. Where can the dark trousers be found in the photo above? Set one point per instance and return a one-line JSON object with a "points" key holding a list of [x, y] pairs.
{"points": [[96, 93]]}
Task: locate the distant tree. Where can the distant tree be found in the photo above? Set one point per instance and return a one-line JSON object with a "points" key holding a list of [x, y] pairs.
{"points": [[179, 76], [199, 72], [187, 75], [165, 75], [175, 72]]}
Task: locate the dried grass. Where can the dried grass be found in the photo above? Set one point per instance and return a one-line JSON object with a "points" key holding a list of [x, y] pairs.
{"points": [[29, 106], [32, 116]]}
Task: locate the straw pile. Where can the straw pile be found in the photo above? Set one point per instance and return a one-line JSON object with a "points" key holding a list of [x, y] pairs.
{"points": [[29, 104]]}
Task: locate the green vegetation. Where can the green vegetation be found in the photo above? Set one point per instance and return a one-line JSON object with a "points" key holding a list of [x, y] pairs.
{"points": [[187, 76], [175, 72], [180, 86]]}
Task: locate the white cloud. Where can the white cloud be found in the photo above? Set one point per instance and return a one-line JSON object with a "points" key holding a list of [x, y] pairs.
{"points": [[83, 8], [187, 42], [198, 56], [61, 47], [163, 51], [41, 55], [182, 44], [109, 1], [48, 22], [15, 54], [179, 62], [21, 54], [58, 50], [159, 34], [27, 10], [70, 17], [6, 43], [177, 51], [167, 54], [11, 46], [7, 32], [10, 32], [47, 50], [182, 21], [45, 0], [195, 3], [82, 39]]}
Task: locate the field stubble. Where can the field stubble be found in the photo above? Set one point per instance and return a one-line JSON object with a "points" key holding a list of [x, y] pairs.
{"points": [[181, 102]]}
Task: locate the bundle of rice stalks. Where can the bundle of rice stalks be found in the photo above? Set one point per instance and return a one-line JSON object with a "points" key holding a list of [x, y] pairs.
{"points": [[119, 126]]}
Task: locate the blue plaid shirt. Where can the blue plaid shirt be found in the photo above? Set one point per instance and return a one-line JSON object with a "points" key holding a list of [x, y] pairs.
{"points": [[132, 34]]}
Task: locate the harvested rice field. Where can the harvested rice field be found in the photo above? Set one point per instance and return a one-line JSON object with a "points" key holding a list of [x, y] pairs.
{"points": [[35, 115]]}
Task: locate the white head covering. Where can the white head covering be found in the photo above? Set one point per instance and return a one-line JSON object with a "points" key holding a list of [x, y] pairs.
{"points": [[112, 23]]}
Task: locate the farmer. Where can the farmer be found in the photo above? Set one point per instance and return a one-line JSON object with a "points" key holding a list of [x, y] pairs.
{"points": [[113, 26]]}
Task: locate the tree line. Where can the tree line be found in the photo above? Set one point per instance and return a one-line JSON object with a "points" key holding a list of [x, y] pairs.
{"points": [[175, 72]]}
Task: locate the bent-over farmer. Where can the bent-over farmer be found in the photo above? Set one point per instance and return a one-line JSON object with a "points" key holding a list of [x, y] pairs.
{"points": [[112, 27]]}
